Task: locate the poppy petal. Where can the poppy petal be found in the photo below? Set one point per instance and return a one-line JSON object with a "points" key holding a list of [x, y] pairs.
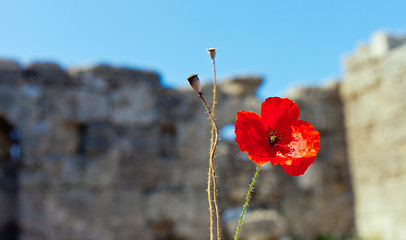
{"points": [[299, 168], [251, 135], [260, 160], [297, 142], [304, 147], [279, 113]]}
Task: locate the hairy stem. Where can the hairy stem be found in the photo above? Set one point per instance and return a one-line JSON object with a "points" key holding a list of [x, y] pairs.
{"points": [[246, 202], [211, 173], [213, 149]]}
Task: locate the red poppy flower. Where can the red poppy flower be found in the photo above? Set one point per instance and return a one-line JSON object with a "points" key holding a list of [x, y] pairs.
{"points": [[277, 136]]}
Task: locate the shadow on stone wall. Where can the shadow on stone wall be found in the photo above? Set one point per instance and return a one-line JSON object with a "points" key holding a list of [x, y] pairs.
{"points": [[10, 156]]}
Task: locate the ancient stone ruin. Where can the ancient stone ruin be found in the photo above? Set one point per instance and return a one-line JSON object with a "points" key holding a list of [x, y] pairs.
{"points": [[374, 90], [108, 153]]}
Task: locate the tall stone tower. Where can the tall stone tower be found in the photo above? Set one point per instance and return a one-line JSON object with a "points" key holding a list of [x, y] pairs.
{"points": [[374, 96]]}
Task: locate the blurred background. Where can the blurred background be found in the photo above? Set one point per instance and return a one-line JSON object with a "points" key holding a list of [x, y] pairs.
{"points": [[101, 138]]}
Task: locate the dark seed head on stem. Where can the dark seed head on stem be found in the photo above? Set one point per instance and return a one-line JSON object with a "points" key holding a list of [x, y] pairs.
{"points": [[195, 83]]}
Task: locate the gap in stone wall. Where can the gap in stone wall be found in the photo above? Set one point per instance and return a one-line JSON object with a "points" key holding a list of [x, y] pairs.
{"points": [[168, 141], [82, 130], [10, 160]]}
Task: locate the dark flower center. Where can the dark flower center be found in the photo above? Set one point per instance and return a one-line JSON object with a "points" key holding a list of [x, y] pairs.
{"points": [[273, 138]]}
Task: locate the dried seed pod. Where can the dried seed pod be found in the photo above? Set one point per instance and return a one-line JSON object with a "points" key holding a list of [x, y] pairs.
{"points": [[212, 52], [195, 83]]}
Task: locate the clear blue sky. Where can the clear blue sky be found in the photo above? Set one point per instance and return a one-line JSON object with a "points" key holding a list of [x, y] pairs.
{"points": [[287, 42]]}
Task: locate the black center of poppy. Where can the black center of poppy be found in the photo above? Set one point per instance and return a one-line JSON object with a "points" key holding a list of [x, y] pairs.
{"points": [[273, 138]]}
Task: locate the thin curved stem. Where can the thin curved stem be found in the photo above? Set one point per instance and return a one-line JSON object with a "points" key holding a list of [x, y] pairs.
{"points": [[216, 139], [214, 87], [246, 202], [213, 149], [211, 173]]}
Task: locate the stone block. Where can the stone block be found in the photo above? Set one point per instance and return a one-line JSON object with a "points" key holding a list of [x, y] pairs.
{"points": [[320, 105], [109, 154], [32, 219], [239, 86], [104, 77], [10, 71], [259, 225], [133, 105], [375, 138], [46, 73], [76, 105]]}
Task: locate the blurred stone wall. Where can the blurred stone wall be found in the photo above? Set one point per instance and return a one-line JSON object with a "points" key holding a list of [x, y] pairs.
{"points": [[316, 205], [374, 93], [108, 153]]}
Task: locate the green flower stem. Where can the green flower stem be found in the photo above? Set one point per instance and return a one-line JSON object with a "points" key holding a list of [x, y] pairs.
{"points": [[246, 201]]}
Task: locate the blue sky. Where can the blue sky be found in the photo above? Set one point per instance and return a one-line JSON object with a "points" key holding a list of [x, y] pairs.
{"points": [[289, 43]]}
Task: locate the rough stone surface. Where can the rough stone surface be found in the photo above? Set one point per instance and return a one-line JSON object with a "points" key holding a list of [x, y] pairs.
{"points": [[10, 71], [325, 189], [374, 88], [261, 225], [317, 204], [108, 153]]}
